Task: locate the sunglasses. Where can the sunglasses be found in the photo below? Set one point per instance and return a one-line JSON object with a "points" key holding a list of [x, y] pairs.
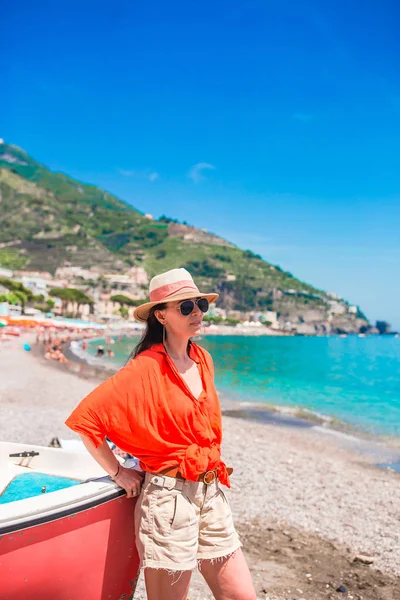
{"points": [[187, 306]]}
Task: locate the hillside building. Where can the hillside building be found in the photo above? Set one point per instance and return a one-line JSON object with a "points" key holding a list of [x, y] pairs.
{"points": [[36, 284], [6, 273], [71, 272], [139, 275]]}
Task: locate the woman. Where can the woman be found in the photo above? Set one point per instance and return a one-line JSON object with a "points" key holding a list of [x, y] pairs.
{"points": [[162, 407]]}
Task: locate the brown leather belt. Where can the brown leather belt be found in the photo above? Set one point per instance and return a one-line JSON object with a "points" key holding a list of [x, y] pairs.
{"points": [[206, 477]]}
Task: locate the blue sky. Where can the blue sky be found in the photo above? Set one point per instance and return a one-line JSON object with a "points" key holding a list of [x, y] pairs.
{"points": [[273, 124]]}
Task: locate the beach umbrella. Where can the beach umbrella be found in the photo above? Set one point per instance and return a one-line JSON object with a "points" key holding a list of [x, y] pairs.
{"points": [[2, 323]]}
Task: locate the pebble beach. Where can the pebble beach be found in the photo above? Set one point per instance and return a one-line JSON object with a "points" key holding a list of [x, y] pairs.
{"points": [[317, 520]]}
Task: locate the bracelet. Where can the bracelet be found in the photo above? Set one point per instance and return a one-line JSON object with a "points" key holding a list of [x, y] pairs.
{"points": [[113, 477]]}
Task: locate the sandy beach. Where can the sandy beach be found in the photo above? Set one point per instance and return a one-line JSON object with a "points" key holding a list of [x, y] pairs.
{"points": [[308, 509]]}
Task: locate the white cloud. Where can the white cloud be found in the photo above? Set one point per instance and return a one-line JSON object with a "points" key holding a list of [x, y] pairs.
{"points": [[153, 176], [137, 174], [126, 173], [196, 173]]}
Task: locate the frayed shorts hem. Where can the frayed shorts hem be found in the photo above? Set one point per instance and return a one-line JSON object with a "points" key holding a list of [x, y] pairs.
{"points": [[218, 554], [167, 566], [154, 564]]}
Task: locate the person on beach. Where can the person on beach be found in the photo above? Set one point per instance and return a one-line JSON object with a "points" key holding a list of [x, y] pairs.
{"points": [[100, 351], [163, 408]]}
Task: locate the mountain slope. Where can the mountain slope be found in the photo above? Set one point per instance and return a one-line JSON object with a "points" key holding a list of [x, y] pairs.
{"points": [[49, 219]]}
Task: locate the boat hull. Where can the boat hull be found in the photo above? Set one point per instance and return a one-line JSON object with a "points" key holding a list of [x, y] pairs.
{"points": [[85, 555]]}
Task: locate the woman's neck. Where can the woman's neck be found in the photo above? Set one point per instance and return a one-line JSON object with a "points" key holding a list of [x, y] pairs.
{"points": [[177, 348]]}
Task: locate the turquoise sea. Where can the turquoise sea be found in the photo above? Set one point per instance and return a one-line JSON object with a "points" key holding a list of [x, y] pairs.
{"points": [[353, 380]]}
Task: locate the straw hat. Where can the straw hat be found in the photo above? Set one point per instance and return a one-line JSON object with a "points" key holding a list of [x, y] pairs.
{"points": [[176, 284]]}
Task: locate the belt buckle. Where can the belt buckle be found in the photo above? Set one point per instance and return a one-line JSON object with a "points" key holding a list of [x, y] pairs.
{"points": [[209, 477]]}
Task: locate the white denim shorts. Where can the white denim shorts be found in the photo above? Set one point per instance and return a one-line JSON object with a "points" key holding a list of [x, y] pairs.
{"points": [[180, 522]]}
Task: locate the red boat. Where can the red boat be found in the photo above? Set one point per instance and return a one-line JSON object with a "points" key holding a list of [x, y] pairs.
{"points": [[66, 529]]}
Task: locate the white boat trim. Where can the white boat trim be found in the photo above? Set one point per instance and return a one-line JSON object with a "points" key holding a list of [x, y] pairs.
{"points": [[96, 487]]}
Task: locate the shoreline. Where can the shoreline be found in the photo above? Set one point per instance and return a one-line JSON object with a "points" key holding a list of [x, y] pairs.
{"points": [[303, 503], [383, 451]]}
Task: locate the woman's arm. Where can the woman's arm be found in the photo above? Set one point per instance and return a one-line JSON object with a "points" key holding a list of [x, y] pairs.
{"points": [[129, 479]]}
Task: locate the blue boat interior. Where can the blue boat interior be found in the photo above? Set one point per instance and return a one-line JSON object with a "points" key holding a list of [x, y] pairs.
{"points": [[27, 485]]}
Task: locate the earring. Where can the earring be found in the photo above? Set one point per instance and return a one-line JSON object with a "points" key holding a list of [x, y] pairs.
{"points": [[163, 334]]}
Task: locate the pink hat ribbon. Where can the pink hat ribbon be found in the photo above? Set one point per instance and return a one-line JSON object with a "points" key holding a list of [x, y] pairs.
{"points": [[178, 287]]}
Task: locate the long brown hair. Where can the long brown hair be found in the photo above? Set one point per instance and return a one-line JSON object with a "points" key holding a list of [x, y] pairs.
{"points": [[153, 334]]}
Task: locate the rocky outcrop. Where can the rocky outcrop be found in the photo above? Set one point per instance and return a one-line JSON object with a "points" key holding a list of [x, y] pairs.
{"points": [[191, 234]]}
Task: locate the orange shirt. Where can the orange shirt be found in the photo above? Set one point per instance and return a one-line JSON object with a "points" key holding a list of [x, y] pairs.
{"points": [[148, 410]]}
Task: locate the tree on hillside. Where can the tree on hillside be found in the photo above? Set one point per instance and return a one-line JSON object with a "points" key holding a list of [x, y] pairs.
{"points": [[251, 254], [125, 300], [10, 298], [72, 295], [166, 219], [15, 298], [123, 311], [80, 298], [22, 298], [64, 294], [16, 286], [38, 298], [50, 304], [203, 268]]}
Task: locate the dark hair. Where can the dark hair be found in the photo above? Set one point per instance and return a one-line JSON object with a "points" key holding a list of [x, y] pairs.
{"points": [[153, 334]]}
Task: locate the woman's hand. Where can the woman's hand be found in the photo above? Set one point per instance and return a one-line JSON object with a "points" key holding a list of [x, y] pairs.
{"points": [[130, 480]]}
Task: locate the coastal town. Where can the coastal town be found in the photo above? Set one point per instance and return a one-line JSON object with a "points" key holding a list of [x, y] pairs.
{"points": [[80, 252], [110, 297]]}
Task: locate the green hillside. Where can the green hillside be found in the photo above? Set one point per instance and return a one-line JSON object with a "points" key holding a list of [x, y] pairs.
{"points": [[48, 219]]}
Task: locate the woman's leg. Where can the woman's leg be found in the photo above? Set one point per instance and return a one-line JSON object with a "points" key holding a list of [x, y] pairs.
{"points": [[229, 577], [166, 585]]}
